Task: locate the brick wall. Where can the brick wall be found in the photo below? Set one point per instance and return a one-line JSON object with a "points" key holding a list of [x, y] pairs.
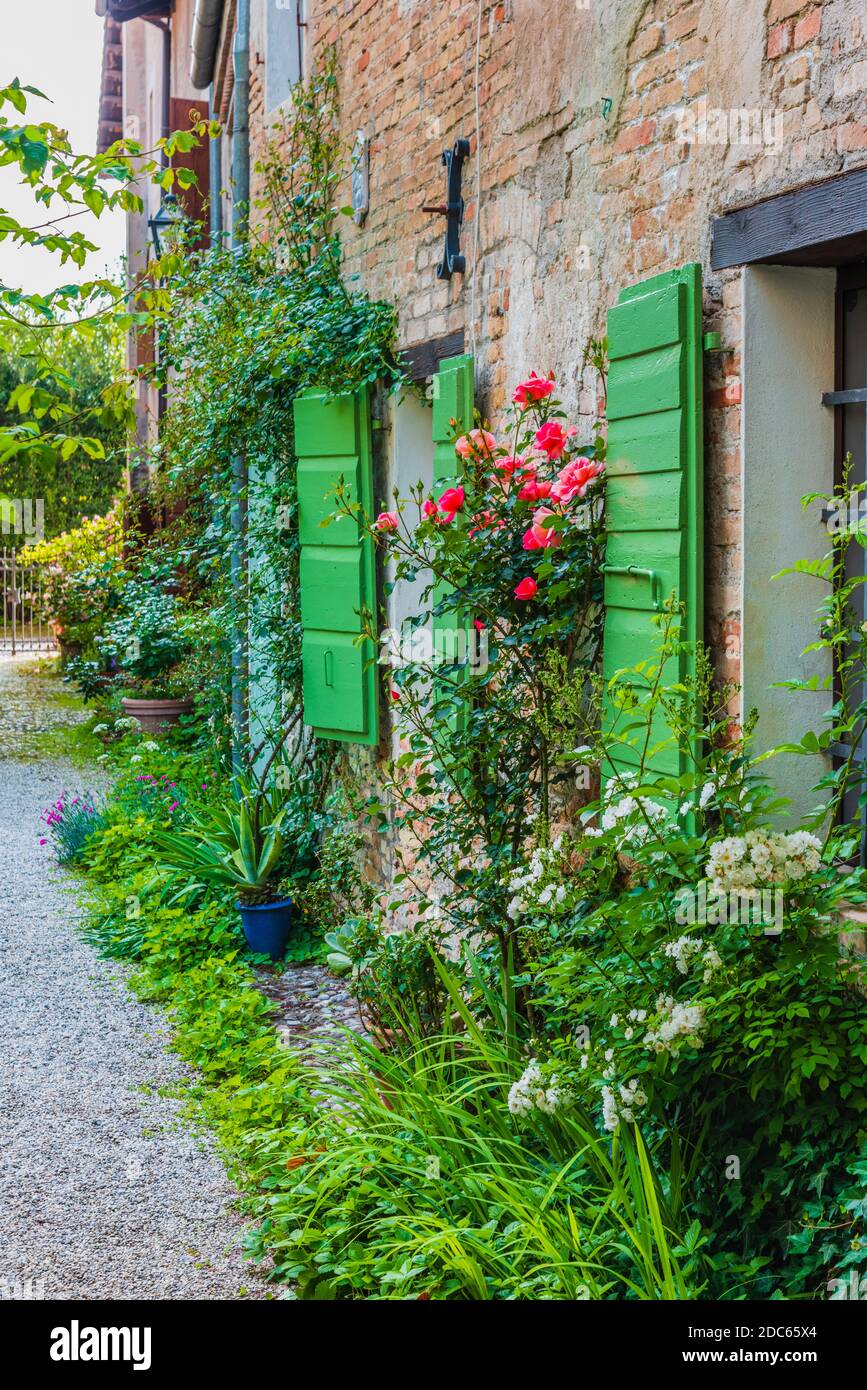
{"points": [[586, 181], [585, 185]]}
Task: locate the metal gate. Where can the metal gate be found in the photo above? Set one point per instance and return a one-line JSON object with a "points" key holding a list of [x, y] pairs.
{"points": [[23, 627]]}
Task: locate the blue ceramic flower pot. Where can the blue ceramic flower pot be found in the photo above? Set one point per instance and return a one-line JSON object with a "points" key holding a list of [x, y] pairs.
{"points": [[267, 926]]}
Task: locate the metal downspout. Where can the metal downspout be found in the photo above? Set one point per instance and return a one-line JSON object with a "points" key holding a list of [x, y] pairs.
{"points": [[215, 177], [240, 215]]}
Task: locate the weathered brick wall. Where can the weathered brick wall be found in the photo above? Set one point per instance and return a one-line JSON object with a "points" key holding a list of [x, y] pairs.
{"points": [[585, 185], [586, 181]]}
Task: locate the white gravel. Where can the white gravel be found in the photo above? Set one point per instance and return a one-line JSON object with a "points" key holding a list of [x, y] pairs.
{"points": [[105, 1190]]}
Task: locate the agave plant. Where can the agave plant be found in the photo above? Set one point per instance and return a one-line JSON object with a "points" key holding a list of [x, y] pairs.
{"points": [[238, 846]]}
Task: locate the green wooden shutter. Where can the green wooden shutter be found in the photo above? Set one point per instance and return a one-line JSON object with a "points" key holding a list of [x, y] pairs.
{"points": [[338, 572], [654, 504], [453, 390], [453, 399]]}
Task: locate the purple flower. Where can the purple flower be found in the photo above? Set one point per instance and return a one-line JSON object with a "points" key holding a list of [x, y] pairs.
{"points": [[43, 842], [174, 805]]}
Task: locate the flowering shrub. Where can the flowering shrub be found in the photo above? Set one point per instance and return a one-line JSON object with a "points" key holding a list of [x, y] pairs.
{"points": [[70, 823], [687, 978], [82, 576], [511, 547]]}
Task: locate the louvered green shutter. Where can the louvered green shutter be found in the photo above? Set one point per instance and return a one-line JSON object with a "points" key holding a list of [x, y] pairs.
{"points": [[654, 490], [338, 573], [453, 393]]}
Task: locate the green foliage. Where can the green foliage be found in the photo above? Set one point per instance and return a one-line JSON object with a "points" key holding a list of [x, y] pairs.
{"points": [[53, 422], [242, 332], [337, 888], [77, 478], [414, 1182], [239, 845], [82, 575], [511, 558], [394, 975], [143, 643], [687, 976], [540, 1211]]}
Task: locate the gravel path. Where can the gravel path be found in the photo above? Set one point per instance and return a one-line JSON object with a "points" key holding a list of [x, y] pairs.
{"points": [[105, 1191]]}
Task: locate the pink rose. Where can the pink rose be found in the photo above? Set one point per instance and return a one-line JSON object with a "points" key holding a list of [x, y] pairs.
{"points": [[483, 521], [512, 465], [539, 536], [451, 501], [535, 388], [534, 491], [386, 521], [476, 442], [528, 588], [575, 478], [552, 438], [430, 508]]}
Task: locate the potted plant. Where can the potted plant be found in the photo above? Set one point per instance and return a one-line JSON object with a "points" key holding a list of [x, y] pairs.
{"points": [[145, 645], [240, 846]]}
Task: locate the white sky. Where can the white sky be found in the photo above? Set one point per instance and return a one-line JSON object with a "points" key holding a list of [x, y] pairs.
{"points": [[55, 45]]}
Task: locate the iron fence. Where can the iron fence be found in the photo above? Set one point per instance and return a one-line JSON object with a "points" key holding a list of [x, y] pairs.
{"points": [[23, 626]]}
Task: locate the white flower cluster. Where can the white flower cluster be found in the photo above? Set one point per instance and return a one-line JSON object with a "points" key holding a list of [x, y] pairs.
{"points": [[676, 1022], [638, 817], [762, 856], [684, 950], [533, 1092], [622, 1106], [524, 883], [707, 793]]}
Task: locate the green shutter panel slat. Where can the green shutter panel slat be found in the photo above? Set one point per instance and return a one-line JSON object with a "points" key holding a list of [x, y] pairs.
{"points": [[453, 399], [337, 567], [453, 392], [655, 457]]}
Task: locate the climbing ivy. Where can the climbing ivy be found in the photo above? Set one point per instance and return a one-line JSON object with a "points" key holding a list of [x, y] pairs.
{"points": [[245, 330]]}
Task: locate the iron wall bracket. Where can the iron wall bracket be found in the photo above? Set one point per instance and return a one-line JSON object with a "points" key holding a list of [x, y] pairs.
{"points": [[453, 262]]}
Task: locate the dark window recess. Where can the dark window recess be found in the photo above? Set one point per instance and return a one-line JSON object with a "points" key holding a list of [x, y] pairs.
{"points": [[848, 400], [422, 360]]}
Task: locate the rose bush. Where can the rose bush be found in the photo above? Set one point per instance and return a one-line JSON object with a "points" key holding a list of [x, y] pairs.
{"points": [[512, 587]]}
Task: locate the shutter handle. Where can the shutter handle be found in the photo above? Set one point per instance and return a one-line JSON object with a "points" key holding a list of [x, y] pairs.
{"points": [[639, 573], [328, 660]]}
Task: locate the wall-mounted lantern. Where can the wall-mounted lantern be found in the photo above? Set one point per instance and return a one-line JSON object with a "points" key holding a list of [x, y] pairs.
{"points": [[165, 222], [453, 210]]}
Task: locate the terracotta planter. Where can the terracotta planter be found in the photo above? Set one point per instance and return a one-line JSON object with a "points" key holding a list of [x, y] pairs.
{"points": [[156, 715]]}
